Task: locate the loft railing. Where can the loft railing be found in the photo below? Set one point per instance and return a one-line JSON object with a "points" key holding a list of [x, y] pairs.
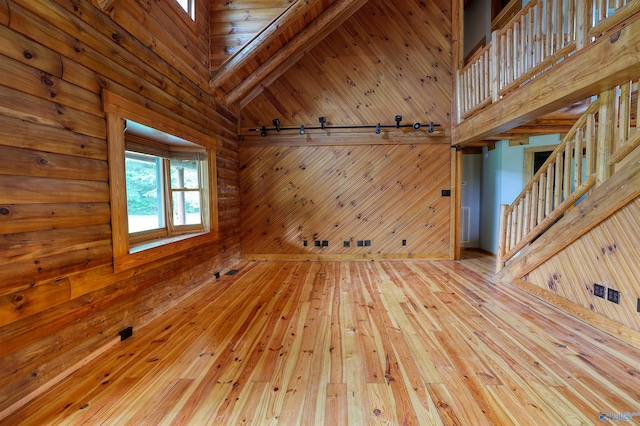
{"points": [[601, 138], [542, 34]]}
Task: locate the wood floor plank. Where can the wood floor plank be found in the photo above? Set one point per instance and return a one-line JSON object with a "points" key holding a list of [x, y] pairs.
{"points": [[336, 343]]}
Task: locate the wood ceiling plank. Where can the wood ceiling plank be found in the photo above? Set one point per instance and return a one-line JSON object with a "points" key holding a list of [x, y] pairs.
{"points": [[293, 51], [261, 41]]}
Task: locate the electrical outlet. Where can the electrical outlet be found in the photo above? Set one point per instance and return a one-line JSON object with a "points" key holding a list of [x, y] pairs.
{"points": [[317, 243], [360, 243], [638, 307], [367, 243], [325, 243], [599, 290], [217, 275], [404, 242], [305, 243], [613, 296], [125, 333], [446, 193], [346, 244]]}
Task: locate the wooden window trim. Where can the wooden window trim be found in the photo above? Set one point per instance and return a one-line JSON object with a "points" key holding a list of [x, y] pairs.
{"points": [[117, 109]]}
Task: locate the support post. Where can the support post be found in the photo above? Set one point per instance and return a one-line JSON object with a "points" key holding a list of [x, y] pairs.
{"points": [[502, 231]]}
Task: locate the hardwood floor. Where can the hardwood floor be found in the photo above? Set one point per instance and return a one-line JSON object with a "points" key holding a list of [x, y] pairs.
{"points": [[353, 343]]}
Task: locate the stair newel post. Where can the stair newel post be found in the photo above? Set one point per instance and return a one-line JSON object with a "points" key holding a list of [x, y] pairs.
{"points": [[502, 237], [606, 136]]}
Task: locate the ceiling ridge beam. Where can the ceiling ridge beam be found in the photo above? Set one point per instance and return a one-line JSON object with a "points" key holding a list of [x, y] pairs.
{"points": [[237, 61], [293, 51]]}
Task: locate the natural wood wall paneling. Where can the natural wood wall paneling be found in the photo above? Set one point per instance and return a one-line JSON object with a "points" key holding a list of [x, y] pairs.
{"points": [[234, 25], [382, 193], [156, 28], [387, 59], [607, 255], [59, 297], [127, 62]]}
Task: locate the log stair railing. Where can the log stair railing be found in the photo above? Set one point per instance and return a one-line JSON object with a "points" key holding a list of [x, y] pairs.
{"points": [[543, 34], [587, 156]]}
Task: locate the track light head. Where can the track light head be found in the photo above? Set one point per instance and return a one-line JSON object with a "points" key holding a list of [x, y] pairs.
{"points": [[302, 129], [276, 123], [322, 121], [378, 129], [263, 131], [398, 120], [417, 126], [431, 127]]}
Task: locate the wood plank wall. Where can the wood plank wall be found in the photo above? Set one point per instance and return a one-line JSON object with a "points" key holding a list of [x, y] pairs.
{"points": [[234, 24], [59, 297], [389, 58], [381, 193], [606, 255]]}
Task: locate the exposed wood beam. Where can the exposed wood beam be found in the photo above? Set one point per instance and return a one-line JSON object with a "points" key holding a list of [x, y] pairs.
{"points": [[592, 70], [292, 14], [105, 5], [293, 51]]}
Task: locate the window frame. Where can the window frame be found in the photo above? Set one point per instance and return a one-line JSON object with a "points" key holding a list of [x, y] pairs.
{"points": [[190, 10], [127, 254]]}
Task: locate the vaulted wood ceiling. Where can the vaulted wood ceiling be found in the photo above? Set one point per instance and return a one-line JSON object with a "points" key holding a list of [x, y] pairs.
{"points": [[253, 42], [257, 49]]}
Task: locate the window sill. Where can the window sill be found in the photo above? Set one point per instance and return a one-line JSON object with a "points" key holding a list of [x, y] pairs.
{"points": [[143, 254], [162, 241]]}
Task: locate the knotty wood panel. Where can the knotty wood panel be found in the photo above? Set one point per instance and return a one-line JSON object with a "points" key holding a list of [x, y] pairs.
{"points": [[60, 300], [384, 194], [387, 59], [607, 255], [235, 23], [353, 343]]}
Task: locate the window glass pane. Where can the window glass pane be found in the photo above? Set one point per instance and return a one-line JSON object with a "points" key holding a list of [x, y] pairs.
{"points": [[184, 174], [186, 208], [144, 192], [188, 6]]}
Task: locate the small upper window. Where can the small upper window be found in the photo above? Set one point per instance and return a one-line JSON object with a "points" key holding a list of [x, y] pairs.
{"points": [[189, 6]]}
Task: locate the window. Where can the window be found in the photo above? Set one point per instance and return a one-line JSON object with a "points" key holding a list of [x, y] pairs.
{"points": [[189, 7], [162, 178], [166, 185]]}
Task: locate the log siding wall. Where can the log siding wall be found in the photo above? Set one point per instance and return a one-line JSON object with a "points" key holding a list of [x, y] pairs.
{"points": [[59, 297]]}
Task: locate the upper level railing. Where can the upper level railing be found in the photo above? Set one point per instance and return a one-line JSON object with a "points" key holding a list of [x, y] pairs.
{"points": [[603, 137], [544, 33]]}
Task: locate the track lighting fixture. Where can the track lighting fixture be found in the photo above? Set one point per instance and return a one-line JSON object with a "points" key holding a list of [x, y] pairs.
{"points": [[430, 127]]}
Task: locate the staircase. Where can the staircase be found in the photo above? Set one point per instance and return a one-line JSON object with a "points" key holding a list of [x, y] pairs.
{"points": [[593, 152]]}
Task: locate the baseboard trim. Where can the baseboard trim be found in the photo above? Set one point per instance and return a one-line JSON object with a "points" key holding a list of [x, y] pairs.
{"points": [[342, 257]]}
